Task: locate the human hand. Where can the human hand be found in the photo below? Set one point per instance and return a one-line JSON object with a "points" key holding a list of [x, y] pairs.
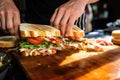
{"points": [[9, 17], [65, 16]]}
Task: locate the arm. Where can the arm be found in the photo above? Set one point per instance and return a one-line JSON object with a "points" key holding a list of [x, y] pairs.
{"points": [[65, 16], [92, 1], [9, 17]]}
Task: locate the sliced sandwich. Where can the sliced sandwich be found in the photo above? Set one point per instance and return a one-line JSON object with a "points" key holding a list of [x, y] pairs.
{"points": [[39, 40], [45, 39]]}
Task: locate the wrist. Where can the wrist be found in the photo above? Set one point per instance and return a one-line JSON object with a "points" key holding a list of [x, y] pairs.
{"points": [[92, 1], [83, 2]]}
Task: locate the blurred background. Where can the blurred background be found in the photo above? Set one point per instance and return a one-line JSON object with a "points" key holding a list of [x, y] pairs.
{"points": [[105, 11]]}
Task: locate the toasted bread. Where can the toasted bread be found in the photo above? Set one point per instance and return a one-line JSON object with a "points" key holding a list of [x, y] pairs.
{"points": [[77, 32], [7, 41], [116, 41], [34, 30], [116, 34], [116, 37]]}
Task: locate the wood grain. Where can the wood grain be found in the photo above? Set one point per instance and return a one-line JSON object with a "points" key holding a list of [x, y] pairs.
{"points": [[74, 65]]}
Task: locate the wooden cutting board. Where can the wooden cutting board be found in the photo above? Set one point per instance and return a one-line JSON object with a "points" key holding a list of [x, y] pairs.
{"points": [[73, 65]]}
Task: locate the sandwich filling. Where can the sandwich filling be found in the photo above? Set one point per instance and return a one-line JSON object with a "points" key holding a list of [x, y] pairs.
{"points": [[40, 45]]}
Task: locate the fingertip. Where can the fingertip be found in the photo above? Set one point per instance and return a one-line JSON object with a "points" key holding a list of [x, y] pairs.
{"points": [[11, 31], [51, 21], [16, 26], [17, 36], [66, 33]]}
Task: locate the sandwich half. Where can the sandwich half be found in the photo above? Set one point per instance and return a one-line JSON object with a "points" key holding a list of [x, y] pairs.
{"points": [[44, 40], [39, 40]]}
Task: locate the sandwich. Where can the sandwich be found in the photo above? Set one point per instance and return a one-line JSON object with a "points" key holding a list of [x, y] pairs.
{"points": [[44, 40], [116, 37]]}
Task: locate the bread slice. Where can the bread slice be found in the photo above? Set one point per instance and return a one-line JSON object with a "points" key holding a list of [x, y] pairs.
{"points": [[116, 37], [116, 41], [34, 30], [7, 41], [116, 34], [77, 32]]}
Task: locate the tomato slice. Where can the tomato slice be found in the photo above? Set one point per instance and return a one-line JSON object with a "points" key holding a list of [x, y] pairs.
{"points": [[53, 40], [35, 40]]}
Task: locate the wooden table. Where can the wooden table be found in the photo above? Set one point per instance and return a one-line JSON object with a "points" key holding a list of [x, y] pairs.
{"points": [[73, 65]]}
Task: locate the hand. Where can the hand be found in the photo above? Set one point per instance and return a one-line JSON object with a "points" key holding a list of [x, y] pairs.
{"points": [[65, 16], [9, 17]]}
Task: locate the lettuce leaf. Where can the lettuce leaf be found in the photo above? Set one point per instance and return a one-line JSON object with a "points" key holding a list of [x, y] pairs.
{"points": [[45, 44]]}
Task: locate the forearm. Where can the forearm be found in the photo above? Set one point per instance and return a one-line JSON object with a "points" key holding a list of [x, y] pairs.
{"points": [[85, 2], [88, 1], [92, 1]]}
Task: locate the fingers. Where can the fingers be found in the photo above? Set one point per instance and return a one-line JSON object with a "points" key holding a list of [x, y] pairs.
{"points": [[2, 16], [63, 21], [0, 24], [16, 21], [70, 25], [65, 16], [9, 17], [55, 19], [9, 23]]}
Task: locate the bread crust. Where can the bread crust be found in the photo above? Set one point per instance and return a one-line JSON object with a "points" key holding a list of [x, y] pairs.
{"points": [[116, 41], [34, 30], [7, 41], [77, 32], [116, 34]]}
